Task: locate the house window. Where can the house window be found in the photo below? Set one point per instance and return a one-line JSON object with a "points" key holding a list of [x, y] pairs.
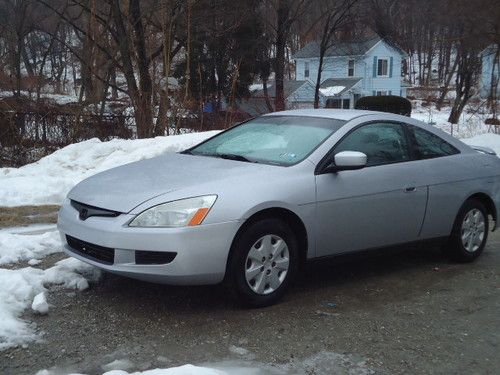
{"points": [[382, 68], [306, 69], [381, 93], [350, 68], [333, 103], [338, 103]]}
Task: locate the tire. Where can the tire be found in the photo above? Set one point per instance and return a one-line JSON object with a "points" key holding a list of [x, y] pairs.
{"points": [[256, 277], [470, 232]]}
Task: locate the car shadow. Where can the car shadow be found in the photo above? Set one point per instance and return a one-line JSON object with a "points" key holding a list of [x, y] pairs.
{"points": [[317, 279]]}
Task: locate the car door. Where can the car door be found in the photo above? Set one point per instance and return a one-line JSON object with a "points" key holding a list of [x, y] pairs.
{"points": [[379, 205]]}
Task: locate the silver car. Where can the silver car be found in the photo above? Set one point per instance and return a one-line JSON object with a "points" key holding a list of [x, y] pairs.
{"points": [[253, 203]]}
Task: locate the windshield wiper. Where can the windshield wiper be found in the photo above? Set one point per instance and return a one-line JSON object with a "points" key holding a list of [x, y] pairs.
{"points": [[233, 157]]}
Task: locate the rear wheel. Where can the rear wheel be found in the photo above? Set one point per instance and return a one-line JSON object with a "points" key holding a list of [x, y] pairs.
{"points": [[263, 263], [470, 232]]}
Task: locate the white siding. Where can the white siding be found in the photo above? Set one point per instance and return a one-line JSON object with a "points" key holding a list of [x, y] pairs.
{"points": [[487, 58]]}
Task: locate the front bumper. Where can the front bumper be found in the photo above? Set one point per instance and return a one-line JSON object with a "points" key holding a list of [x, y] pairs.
{"points": [[202, 251]]}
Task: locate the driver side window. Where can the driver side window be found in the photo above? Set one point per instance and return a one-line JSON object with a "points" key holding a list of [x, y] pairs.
{"points": [[383, 143]]}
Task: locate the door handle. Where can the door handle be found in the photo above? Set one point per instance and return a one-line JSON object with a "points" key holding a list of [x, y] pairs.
{"points": [[410, 189]]}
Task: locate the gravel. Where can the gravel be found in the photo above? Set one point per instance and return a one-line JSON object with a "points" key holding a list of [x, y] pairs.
{"points": [[400, 311]]}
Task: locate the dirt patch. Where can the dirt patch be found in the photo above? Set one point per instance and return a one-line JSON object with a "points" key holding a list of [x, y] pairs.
{"points": [[26, 215]]}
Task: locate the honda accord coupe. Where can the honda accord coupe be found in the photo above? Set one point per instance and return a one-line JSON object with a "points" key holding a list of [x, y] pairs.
{"points": [[251, 204]]}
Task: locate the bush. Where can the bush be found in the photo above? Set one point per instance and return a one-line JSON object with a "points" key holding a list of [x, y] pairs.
{"points": [[391, 104]]}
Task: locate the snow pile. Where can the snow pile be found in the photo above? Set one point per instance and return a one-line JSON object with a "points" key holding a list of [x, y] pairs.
{"points": [[40, 304], [320, 363], [18, 247], [182, 370], [485, 140], [470, 124], [118, 364], [49, 180], [331, 90], [21, 289]]}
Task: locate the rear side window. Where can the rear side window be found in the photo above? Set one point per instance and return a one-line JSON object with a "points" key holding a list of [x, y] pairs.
{"points": [[427, 145]]}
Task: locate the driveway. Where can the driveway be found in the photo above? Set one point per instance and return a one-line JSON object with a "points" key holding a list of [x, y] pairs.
{"points": [[399, 311]]}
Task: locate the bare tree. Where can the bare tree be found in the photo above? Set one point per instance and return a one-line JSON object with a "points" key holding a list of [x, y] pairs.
{"points": [[337, 15], [284, 14]]}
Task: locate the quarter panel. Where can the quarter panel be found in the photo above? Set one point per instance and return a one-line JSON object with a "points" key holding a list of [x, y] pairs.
{"points": [[451, 181]]}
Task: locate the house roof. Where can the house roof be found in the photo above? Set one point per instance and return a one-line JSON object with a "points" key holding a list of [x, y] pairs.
{"points": [[352, 48], [256, 104], [341, 85], [356, 47], [253, 106], [289, 87]]}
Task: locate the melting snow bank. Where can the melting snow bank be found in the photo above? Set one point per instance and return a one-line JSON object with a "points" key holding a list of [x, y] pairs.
{"points": [[321, 363], [48, 180], [23, 288], [20, 247], [485, 140]]}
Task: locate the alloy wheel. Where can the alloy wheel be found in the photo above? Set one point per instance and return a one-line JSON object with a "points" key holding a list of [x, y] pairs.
{"points": [[473, 230]]}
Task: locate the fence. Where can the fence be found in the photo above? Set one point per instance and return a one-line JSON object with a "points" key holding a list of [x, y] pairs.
{"points": [[27, 136]]}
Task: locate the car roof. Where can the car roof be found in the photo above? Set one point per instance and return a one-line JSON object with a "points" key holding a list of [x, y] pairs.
{"points": [[338, 114]]}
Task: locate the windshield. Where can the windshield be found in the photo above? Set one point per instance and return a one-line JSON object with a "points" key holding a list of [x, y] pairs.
{"points": [[282, 140]]}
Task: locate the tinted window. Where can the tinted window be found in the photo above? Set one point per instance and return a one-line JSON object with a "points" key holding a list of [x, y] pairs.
{"points": [[427, 145], [382, 143], [283, 140]]}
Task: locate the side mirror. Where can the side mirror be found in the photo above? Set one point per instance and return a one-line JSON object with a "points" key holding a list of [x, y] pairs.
{"points": [[347, 161]]}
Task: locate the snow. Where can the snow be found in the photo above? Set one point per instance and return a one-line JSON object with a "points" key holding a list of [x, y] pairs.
{"points": [[48, 180], [118, 364], [238, 350], [255, 87], [320, 363], [485, 140], [30, 229], [40, 304], [60, 99], [182, 370], [20, 247], [21, 289], [331, 90], [471, 122]]}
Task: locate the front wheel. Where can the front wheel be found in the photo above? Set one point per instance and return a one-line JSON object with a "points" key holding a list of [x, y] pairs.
{"points": [[470, 232], [264, 261]]}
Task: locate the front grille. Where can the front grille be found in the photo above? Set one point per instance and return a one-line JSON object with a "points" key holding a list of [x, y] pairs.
{"points": [[90, 251], [85, 211], [154, 257]]}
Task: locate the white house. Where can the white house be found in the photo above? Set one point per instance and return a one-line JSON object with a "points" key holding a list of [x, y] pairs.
{"points": [[352, 69]]}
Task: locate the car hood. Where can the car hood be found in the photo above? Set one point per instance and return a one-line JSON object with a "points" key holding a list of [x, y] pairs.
{"points": [[123, 188]]}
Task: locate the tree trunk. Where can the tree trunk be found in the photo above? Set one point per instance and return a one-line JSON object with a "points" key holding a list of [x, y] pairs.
{"points": [[446, 86], [279, 100], [266, 95], [138, 102], [318, 79], [145, 82]]}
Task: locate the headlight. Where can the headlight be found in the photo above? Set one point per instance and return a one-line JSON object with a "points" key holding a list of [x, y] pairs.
{"points": [[184, 212]]}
